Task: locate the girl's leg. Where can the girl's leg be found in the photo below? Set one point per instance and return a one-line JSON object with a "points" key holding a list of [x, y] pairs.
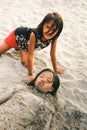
{"points": [[4, 47], [24, 57]]}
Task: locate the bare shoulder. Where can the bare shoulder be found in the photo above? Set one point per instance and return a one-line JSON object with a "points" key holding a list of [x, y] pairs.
{"points": [[54, 43], [32, 35], [32, 39]]}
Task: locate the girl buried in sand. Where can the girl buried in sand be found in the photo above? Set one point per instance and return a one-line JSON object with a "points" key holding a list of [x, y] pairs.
{"points": [[46, 81], [28, 39]]}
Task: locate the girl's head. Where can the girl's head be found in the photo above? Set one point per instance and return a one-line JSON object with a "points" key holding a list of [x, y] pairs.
{"points": [[51, 26], [46, 81]]}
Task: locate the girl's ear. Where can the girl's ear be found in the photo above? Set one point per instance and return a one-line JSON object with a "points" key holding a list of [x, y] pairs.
{"points": [[51, 89]]}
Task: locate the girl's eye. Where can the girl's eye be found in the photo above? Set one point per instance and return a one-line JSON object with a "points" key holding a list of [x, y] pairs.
{"points": [[41, 76], [50, 80], [53, 30], [46, 26]]}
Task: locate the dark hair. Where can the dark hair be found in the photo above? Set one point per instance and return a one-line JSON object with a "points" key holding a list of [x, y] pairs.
{"points": [[56, 81], [58, 22]]}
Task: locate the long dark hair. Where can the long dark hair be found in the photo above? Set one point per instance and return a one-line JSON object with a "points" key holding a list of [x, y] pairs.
{"points": [[56, 81], [57, 22]]}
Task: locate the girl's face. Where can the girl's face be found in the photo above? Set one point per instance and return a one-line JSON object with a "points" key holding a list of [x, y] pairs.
{"points": [[48, 30], [44, 82]]}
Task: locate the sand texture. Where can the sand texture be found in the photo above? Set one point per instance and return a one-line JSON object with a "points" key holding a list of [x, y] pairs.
{"points": [[22, 107]]}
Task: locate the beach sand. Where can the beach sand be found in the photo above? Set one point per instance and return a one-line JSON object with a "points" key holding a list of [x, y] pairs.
{"points": [[71, 54]]}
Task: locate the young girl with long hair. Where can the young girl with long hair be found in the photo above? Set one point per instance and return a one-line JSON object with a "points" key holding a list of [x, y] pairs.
{"points": [[28, 39]]}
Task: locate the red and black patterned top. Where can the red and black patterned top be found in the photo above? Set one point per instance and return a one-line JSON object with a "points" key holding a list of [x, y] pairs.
{"points": [[22, 35]]}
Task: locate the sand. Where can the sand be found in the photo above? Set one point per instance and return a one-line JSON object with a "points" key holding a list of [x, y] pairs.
{"points": [[71, 53]]}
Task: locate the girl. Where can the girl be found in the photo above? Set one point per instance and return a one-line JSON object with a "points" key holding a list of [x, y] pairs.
{"points": [[28, 39], [46, 81]]}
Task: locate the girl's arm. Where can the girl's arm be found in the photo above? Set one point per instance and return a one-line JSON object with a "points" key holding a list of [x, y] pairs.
{"points": [[31, 54], [53, 58]]}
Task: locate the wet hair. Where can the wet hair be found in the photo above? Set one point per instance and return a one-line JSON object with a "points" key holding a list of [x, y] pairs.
{"points": [[56, 81], [57, 22]]}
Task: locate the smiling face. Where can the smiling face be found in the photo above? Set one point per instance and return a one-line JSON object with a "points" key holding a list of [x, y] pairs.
{"points": [[49, 30], [44, 82]]}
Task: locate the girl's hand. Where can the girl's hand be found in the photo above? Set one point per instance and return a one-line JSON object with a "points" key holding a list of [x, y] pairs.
{"points": [[29, 78], [59, 70]]}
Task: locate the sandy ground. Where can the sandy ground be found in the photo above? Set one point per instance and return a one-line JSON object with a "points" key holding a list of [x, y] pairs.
{"points": [[71, 47]]}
